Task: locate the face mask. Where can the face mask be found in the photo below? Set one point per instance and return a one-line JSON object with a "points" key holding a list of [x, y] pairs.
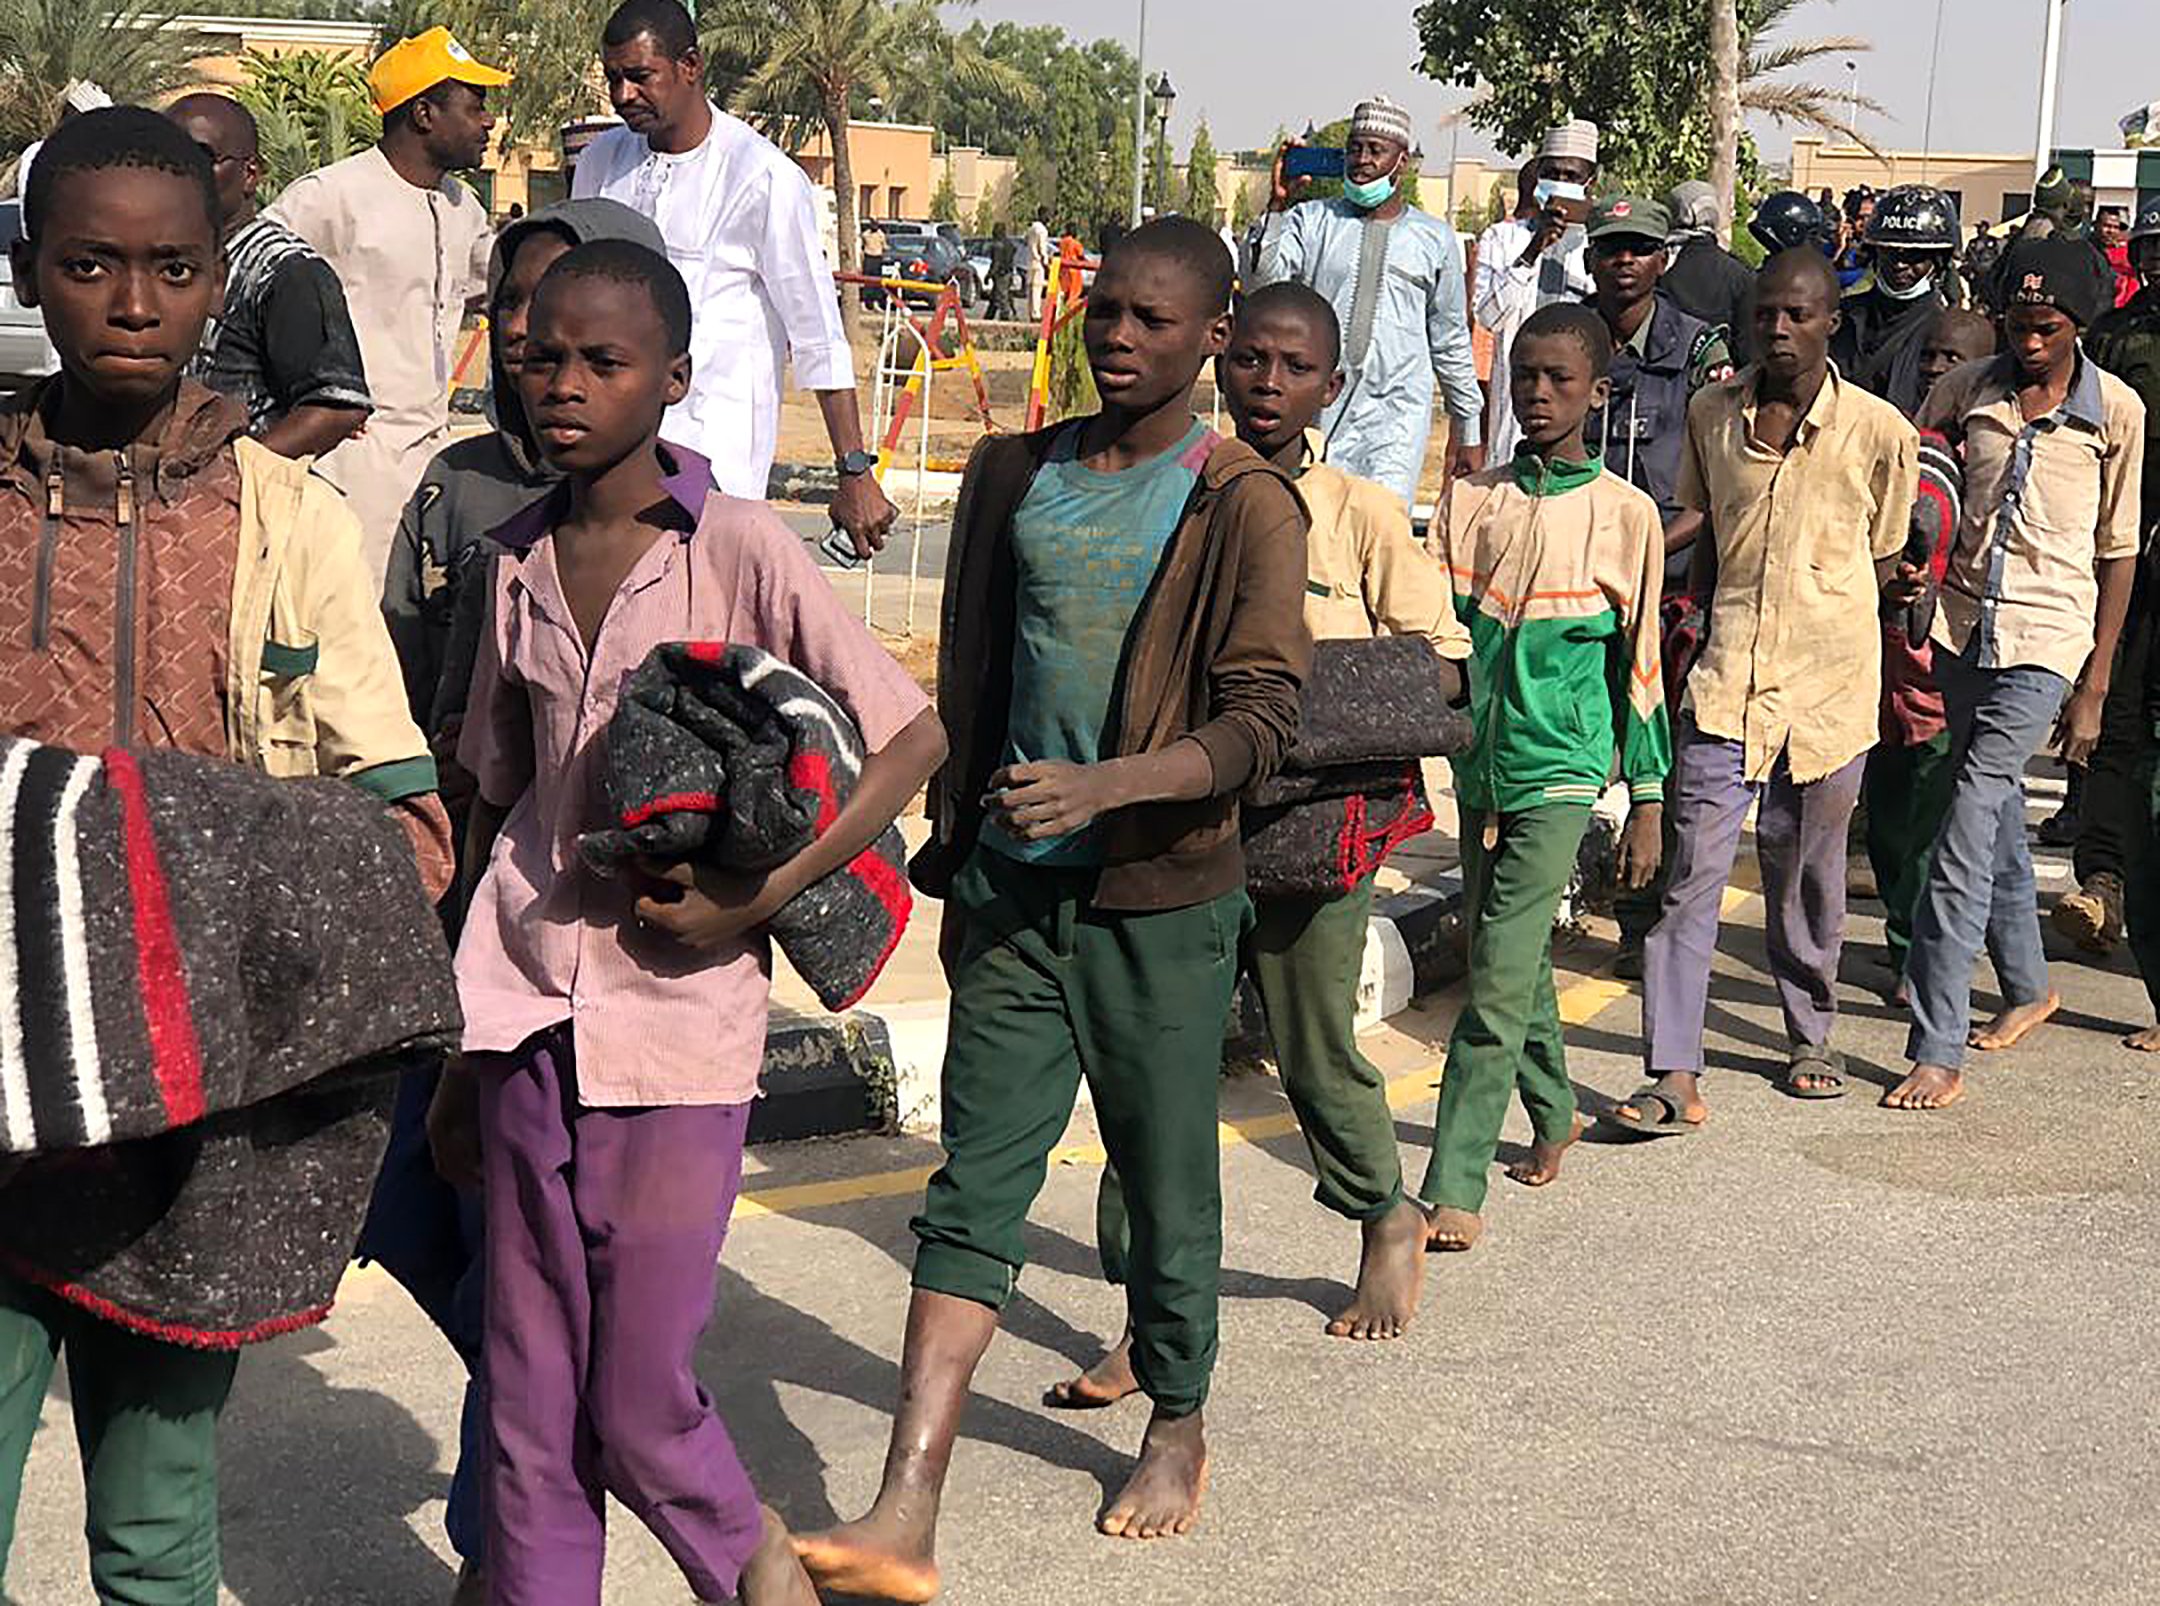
{"points": [[1926, 283], [1550, 190], [1368, 196]]}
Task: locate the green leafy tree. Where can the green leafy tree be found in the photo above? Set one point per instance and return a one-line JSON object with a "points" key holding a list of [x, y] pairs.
{"points": [[1114, 205], [945, 200], [1244, 202], [987, 221], [311, 108], [1639, 69], [1034, 186], [133, 51], [1076, 142], [1200, 194]]}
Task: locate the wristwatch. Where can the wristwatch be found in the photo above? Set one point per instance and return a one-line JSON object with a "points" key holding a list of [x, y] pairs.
{"points": [[855, 462]]}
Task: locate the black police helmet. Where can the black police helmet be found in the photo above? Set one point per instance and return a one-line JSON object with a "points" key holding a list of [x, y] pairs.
{"points": [[2148, 221], [1915, 217], [1788, 219]]}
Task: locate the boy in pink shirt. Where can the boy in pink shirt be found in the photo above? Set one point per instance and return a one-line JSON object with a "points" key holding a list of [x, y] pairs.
{"points": [[614, 1030]]}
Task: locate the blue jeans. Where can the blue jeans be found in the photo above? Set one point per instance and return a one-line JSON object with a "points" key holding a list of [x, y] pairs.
{"points": [[428, 1236], [1980, 887]]}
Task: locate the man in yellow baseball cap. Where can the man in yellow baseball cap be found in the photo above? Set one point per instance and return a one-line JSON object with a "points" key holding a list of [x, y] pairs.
{"points": [[413, 66], [410, 244]]}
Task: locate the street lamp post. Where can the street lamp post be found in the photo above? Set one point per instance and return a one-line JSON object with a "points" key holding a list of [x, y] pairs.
{"points": [[1852, 95], [2050, 66], [1139, 119], [1164, 96]]}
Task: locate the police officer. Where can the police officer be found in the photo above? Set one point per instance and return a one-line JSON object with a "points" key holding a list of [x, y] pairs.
{"points": [[1661, 356], [1701, 276], [1912, 240], [1787, 219]]}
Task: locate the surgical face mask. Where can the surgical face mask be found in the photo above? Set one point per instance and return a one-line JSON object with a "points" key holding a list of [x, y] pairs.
{"points": [[1371, 194], [1913, 292], [1550, 190]]}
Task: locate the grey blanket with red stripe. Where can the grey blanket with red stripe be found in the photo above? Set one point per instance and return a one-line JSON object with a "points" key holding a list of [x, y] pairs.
{"points": [[206, 978], [728, 756]]}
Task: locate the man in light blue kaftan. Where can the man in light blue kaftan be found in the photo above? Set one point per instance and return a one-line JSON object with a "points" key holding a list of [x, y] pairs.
{"points": [[1395, 278]]}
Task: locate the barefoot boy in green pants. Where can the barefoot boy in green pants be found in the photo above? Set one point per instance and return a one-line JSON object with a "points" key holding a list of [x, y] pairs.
{"points": [[1556, 567]]}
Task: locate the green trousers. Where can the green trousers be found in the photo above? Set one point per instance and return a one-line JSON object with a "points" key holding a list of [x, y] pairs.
{"points": [[146, 1427], [2141, 865], [1048, 990], [1507, 1038], [1906, 793], [1305, 955]]}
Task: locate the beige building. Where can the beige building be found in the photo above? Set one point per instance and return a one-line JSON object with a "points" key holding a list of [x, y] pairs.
{"points": [[892, 163], [1987, 187]]}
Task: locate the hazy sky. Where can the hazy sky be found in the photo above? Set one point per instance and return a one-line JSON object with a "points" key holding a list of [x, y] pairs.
{"points": [[1249, 65]]}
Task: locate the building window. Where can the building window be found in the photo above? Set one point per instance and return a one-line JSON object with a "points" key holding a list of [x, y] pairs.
{"points": [[897, 196], [2016, 203], [866, 203]]}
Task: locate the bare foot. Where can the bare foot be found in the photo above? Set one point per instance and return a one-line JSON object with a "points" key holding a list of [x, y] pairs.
{"points": [[773, 1576], [1162, 1497], [872, 1559], [1450, 1231], [1543, 1165], [2009, 1028], [2145, 1042], [1929, 1087], [1108, 1381], [1390, 1276]]}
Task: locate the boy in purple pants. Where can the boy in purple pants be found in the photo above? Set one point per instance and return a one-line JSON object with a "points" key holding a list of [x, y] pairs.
{"points": [[614, 1031]]}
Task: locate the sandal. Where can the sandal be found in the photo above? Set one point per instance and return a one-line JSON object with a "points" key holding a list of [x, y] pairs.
{"points": [[1672, 1122], [1818, 1061]]}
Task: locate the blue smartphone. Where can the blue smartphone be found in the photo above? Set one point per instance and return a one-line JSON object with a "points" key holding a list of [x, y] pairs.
{"points": [[1313, 161]]}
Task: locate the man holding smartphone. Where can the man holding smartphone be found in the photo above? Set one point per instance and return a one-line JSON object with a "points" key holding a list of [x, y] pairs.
{"points": [[1551, 266], [1394, 275]]}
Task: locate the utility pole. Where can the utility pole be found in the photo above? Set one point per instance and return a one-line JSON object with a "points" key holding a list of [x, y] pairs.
{"points": [[1139, 121], [2050, 67]]}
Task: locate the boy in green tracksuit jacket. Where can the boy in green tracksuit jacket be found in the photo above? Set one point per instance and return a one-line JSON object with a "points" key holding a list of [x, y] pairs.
{"points": [[1556, 567]]}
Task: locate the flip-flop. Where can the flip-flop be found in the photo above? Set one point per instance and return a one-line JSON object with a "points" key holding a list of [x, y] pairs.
{"points": [[1816, 1060], [1672, 1124]]}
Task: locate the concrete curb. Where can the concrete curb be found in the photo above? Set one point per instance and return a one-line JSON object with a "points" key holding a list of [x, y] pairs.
{"points": [[878, 1070]]}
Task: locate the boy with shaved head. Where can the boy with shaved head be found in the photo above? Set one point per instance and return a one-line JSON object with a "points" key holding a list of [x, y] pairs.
{"points": [[1122, 652]]}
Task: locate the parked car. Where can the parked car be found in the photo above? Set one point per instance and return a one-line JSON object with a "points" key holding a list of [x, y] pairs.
{"points": [[25, 354], [931, 258]]}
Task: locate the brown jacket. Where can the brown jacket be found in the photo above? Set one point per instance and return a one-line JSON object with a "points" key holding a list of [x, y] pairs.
{"points": [[1218, 652]]}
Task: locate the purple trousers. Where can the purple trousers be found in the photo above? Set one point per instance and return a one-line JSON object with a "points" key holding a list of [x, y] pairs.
{"points": [[1800, 843], [603, 1242]]}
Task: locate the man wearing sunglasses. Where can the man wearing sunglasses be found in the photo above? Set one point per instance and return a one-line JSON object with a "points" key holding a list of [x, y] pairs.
{"points": [[1912, 240]]}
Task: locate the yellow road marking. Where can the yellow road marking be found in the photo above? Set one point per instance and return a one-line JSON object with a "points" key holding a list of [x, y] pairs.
{"points": [[1580, 1004]]}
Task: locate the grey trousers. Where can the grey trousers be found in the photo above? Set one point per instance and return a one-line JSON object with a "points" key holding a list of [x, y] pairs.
{"points": [[1800, 843]]}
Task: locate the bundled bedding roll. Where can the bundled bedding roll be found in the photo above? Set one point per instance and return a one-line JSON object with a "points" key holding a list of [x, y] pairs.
{"points": [[1351, 790], [730, 757]]}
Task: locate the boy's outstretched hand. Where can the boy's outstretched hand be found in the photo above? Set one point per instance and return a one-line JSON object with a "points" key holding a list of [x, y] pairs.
{"points": [[1642, 844], [701, 907], [1041, 801]]}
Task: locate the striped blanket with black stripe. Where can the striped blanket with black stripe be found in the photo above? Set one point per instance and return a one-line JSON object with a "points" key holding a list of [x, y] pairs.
{"points": [[206, 977]]}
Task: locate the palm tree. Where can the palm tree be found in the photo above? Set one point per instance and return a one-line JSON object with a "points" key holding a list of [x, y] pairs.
{"points": [[310, 109], [1725, 66], [1764, 89], [131, 51], [814, 59]]}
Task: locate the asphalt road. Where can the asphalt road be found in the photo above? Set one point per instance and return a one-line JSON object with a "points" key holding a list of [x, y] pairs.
{"points": [[1822, 1352]]}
